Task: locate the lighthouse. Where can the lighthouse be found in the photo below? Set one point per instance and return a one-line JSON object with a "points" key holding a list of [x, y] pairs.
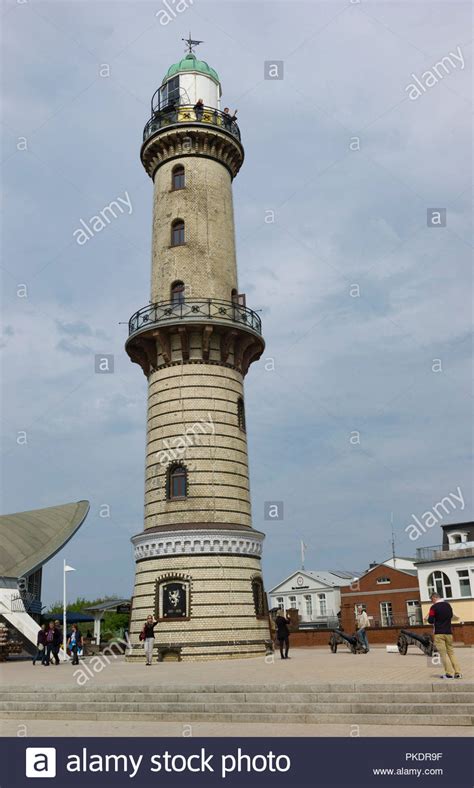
{"points": [[198, 558]]}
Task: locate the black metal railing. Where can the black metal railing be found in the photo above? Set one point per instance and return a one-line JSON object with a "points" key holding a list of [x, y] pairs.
{"points": [[170, 116], [409, 620], [442, 550], [194, 310], [27, 602]]}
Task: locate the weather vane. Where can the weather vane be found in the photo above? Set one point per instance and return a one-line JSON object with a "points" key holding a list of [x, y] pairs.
{"points": [[191, 43]]}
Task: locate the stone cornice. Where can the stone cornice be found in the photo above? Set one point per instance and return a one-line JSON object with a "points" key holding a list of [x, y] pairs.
{"points": [[198, 542], [152, 347], [191, 140]]}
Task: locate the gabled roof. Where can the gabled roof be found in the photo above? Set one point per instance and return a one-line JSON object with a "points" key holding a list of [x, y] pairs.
{"points": [[111, 604], [328, 579], [411, 572], [29, 539], [401, 557]]}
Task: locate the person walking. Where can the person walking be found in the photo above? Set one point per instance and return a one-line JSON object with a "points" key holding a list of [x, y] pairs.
{"points": [[49, 643], [283, 633], [363, 623], [148, 636], [57, 640], [75, 643], [441, 615], [40, 644]]}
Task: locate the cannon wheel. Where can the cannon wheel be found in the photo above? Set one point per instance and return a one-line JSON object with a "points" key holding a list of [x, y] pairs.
{"points": [[333, 645], [402, 644]]}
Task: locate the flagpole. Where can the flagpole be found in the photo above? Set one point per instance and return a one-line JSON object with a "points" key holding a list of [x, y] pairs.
{"points": [[64, 607]]}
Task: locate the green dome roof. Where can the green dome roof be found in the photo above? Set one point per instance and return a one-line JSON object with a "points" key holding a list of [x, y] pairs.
{"points": [[191, 63]]}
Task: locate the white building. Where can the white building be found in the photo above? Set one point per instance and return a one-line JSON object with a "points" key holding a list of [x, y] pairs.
{"points": [[448, 569], [314, 594]]}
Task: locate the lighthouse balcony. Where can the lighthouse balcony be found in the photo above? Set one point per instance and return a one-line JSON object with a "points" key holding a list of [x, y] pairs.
{"points": [[175, 115], [195, 311], [195, 331]]}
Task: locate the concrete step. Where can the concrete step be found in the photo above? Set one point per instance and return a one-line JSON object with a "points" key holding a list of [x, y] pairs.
{"points": [[154, 696], [439, 686], [447, 703], [207, 707], [347, 719], [233, 697]]}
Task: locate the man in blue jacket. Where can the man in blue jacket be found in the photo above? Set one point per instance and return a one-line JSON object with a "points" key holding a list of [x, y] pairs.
{"points": [[440, 615]]}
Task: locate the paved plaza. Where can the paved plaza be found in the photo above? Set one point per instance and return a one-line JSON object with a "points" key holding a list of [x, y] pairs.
{"points": [[306, 667]]}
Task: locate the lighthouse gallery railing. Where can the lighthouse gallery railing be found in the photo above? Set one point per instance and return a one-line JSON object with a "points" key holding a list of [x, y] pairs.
{"points": [[194, 311], [171, 116]]}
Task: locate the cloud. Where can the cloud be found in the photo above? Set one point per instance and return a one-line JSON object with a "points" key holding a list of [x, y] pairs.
{"points": [[342, 217]]}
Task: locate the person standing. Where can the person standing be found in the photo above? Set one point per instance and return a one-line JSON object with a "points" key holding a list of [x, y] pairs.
{"points": [[199, 109], [441, 616], [148, 636], [75, 643], [40, 644], [363, 623], [283, 633], [58, 639], [228, 118]]}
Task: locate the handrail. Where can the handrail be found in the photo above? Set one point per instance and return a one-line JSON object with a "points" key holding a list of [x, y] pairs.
{"points": [[195, 310], [186, 113]]}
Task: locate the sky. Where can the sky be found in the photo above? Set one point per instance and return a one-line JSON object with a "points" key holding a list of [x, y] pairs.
{"points": [[361, 403]]}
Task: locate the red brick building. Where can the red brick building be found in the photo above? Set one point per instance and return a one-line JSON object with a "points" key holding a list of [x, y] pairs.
{"points": [[390, 597]]}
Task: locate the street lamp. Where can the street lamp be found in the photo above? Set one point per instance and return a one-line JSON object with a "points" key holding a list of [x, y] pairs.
{"points": [[66, 568]]}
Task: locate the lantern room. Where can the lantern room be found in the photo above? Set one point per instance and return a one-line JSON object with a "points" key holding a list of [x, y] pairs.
{"points": [[185, 83]]}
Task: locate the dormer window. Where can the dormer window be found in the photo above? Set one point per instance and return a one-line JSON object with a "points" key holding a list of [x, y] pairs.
{"points": [[457, 537]]}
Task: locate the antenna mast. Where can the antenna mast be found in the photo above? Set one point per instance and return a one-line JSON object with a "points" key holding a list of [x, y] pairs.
{"points": [[393, 541]]}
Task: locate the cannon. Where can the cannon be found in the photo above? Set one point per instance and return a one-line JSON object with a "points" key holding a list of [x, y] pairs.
{"points": [[424, 642], [352, 642]]}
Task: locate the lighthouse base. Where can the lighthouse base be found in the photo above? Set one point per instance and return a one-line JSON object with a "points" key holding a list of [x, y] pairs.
{"points": [[209, 603]]}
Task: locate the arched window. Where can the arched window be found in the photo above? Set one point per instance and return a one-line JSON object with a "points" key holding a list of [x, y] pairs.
{"points": [[177, 233], [439, 583], [234, 296], [177, 292], [177, 482], [241, 414], [177, 177], [259, 597]]}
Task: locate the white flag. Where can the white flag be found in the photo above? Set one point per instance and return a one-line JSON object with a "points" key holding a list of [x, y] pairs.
{"points": [[303, 548], [68, 568]]}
